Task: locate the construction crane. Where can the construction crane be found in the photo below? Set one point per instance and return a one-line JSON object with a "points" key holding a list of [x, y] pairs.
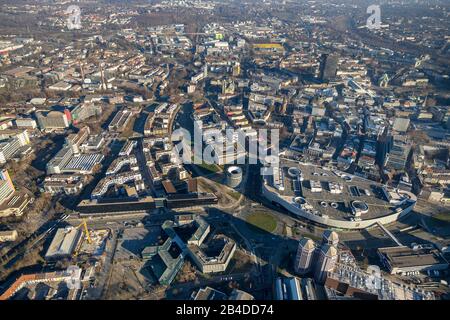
{"points": [[86, 232]]}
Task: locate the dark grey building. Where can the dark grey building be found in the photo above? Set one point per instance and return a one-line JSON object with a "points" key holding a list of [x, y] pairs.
{"points": [[328, 67]]}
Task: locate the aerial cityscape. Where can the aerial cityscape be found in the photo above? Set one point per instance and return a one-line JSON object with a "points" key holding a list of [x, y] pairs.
{"points": [[225, 150]]}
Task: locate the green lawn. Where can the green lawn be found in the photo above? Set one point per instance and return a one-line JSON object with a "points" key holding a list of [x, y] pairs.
{"points": [[210, 167], [443, 216], [262, 220], [235, 195]]}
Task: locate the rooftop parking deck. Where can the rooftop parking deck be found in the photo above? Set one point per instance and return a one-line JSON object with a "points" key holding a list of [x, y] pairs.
{"points": [[336, 194]]}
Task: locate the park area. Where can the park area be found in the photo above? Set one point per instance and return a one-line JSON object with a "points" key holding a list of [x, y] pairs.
{"points": [[443, 216], [262, 221]]}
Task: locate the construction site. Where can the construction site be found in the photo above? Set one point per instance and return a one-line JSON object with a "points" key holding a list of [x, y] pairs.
{"points": [[73, 259], [74, 241]]}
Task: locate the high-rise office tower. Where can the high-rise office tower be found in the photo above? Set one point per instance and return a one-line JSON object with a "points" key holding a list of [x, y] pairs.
{"points": [[330, 237], [384, 145], [326, 261], [305, 256], [328, 67]]}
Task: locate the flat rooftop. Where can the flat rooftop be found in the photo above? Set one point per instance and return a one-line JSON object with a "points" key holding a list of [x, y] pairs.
{"points": [[332, 192], [403, 257], [63, 243]]}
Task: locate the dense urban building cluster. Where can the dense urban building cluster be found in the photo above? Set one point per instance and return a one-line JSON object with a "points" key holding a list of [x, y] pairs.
{"points": [[257, 150]]}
